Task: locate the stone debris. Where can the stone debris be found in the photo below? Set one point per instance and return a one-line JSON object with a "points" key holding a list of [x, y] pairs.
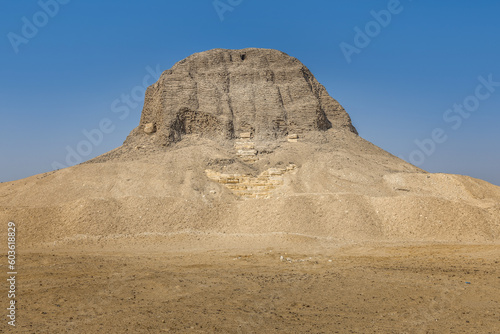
{"points": [[149, 128], [248, 186], [290, 260], [293, 138], [245, 149]]}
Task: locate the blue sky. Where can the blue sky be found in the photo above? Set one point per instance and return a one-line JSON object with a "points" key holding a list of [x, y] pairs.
{"points": [[420, 58]]}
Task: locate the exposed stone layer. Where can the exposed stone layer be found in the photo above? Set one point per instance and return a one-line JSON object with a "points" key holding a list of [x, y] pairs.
{"points": [[224, 93], [247, 186]]}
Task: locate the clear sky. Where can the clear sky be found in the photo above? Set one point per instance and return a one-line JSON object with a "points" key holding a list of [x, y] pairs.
{"points": [[420, 78]]}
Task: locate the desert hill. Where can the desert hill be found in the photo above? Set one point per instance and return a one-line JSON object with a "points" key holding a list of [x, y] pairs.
{"points": [[240, 146]]}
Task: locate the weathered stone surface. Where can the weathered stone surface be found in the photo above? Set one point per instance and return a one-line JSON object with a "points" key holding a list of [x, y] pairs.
{"points": [[293, 138], [149, 128], [247, 186], [226, 94]]}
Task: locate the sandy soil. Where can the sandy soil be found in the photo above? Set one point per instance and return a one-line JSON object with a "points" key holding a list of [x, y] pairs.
{"points": [[350, 289]]}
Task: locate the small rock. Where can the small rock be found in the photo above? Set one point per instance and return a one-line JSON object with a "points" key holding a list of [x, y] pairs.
{"points": [[150, 128]]}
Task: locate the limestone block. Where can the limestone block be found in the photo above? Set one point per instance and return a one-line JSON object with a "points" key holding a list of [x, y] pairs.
{"points": [[247, 153], [247, 186], [244, 146], [275, 171], [150, 128]]}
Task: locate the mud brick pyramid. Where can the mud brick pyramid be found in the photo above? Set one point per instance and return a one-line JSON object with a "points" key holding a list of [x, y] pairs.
{"points": [[248, 143]]}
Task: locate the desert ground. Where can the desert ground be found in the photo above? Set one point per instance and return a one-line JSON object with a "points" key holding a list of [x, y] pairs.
{"points": [[361, 288]]}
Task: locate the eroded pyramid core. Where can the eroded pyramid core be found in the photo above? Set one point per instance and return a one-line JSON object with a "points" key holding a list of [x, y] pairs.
{"points": [[223, 93]]}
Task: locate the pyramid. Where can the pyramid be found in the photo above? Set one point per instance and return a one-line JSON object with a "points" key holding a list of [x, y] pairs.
{"points": [[240, 147]]}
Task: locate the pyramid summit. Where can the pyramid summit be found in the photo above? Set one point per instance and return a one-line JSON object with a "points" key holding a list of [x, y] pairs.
{"points": [[223, 93]]}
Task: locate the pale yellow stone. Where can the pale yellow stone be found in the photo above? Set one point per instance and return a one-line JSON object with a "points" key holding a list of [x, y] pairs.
{"points": [[247, 186], [246, 152], [150, 128]]}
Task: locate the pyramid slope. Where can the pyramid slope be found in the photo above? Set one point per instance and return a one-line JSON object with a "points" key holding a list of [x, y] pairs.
{"points": [[352, 192]]}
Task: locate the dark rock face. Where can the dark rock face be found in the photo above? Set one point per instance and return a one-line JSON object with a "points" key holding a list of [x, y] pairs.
{"points": [[223, 93]]}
